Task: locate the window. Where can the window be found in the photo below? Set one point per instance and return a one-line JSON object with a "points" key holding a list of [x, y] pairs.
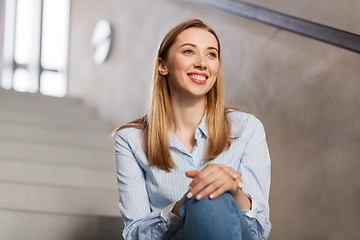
{"points": [[36, 46]]}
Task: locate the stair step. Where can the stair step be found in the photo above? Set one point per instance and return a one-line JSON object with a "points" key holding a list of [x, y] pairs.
{"points": [[61, 176], [11, 96], [56, 154], [47, 134], [37, 103], [56, 120], [52, 199], [44, 226], [28, 105]]}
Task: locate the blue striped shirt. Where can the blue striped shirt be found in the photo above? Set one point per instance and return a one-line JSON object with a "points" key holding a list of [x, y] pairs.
{"points": [[147, 194]]}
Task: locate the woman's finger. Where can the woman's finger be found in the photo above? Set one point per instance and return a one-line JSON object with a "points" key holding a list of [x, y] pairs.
{"points": [[191, 174], [236, 176], [218, 192], [209, 189]]}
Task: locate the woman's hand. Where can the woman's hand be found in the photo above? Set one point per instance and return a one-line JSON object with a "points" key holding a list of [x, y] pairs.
{"points": [[214, 180], [234, 175]]}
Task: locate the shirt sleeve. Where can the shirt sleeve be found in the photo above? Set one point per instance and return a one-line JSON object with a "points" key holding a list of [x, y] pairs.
{"points": [[255, 168], [174, 221], [140, 222]]}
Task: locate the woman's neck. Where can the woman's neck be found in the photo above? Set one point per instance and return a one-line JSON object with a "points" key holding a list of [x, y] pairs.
{"points": [[187, 117]]}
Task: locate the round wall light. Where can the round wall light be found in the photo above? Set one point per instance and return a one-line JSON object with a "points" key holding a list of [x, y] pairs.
{"points": [[101, 41]]}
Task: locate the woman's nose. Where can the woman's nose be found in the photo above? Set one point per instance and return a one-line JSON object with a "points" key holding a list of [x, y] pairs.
{"points": [[200, 62]]}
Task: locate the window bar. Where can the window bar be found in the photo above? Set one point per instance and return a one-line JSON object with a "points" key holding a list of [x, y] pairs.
{"points": [[34, 65], [8, 45]]}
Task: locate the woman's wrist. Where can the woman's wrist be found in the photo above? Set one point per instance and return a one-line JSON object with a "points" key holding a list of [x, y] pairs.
{"points": [[176, 207], [242, 199]]}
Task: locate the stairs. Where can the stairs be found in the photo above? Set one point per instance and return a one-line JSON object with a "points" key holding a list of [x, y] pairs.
{"points": [[57, 170]]}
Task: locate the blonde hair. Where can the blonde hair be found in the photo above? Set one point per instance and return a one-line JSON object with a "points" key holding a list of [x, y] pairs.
{"points": [[156, 125]]}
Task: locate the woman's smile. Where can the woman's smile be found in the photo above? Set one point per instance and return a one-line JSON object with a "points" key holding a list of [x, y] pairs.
{"points": [[199, 78]]}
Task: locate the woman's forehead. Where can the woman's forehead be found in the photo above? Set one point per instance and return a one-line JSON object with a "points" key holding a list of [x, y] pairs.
{"points": [[196, 36]]}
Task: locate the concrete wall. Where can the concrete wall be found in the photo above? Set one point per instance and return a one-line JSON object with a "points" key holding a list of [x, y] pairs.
{"points": [[307, 93]]}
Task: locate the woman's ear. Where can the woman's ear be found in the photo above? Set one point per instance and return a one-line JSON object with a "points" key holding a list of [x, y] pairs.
{"points": [[162, 68]]}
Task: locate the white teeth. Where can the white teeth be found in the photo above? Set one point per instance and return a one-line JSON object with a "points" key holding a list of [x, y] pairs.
{"points": [[198, 77]]}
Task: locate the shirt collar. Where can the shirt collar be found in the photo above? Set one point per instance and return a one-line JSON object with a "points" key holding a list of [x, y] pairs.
{"points": [[201, 128], [200, 131]]}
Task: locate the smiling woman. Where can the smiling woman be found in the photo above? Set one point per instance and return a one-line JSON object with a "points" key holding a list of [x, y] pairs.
{"points": [[191, 168]]}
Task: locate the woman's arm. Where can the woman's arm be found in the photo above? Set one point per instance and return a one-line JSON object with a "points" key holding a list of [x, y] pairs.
{"points": [[140, 221], [255, 167]]}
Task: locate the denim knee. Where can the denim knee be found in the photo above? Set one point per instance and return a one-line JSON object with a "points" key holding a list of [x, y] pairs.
{"points": [[208, 206], [211, 217], [218, 218]]}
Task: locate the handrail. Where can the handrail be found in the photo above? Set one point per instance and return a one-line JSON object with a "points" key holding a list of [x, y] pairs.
{"points": [[334, 36]]}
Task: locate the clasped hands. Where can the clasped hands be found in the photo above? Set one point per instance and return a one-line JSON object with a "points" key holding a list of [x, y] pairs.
{"points": [[214, 180]]}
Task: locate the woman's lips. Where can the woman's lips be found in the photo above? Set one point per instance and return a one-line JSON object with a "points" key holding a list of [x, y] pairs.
{"points": [[199, 78]]}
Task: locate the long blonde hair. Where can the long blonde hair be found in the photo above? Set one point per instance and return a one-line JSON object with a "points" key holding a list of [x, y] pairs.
{"points": [[156, 125]]}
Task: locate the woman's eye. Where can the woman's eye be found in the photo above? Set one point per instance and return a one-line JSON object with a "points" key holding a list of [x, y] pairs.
{"points": [[213, 55], [188, 51]]}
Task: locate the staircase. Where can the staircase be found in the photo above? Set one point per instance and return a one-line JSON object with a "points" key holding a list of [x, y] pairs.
{"points": [[57, 171]]}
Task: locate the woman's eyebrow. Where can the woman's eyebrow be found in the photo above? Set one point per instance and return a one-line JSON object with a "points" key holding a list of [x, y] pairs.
{"points": [[213, 48], [188, 44], [194, 45]]}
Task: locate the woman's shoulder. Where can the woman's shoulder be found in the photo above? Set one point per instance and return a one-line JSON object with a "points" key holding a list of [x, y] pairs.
{"points": [[127, 131], [241, 121], [128, 140], [236, 115], [131, 131]]}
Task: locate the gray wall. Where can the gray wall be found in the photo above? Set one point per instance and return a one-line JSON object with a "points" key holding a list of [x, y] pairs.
{"points": [[307, 94]]}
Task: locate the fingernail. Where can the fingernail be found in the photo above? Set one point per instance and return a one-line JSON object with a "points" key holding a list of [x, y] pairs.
{"points": [[198, 197], [241, 185], [189, 195], [221, 165], [211, 196], [234, 175]]}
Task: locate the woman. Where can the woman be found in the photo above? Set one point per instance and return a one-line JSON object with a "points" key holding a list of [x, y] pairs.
{"points": [[192, 169]]}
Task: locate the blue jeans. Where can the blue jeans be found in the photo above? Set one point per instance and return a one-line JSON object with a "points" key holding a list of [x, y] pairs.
{"points": [[214, 219]]}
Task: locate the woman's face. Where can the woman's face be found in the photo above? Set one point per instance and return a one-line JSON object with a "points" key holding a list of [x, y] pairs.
{"points": [[192, 64]]}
